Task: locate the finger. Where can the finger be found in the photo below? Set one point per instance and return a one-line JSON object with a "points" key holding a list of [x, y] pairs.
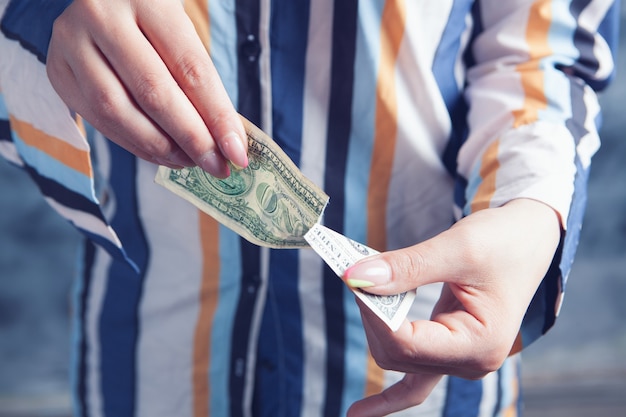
{"points": [[91, 89], [149, 82], [454, 342], [189, 63], [410, 391], [401, 270]]}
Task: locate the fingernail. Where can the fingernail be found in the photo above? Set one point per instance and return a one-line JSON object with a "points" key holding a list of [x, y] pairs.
{"points": [[233, 148], [359, 283], [370, 273], [214, 164]]}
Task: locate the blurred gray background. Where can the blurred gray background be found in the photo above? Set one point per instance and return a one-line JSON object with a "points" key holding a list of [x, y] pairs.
{"points": [[577, 370]]}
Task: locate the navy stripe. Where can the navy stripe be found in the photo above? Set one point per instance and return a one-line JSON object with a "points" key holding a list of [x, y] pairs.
{"points": [[249, 105], [119, 321], [82, 347], [280, 354], [339, 123], [30, 23], [5, 131], [63, 195], [249, 91], [443, 70], [499, 393], [587, 64], [250, 282], [289, 36], [463, 397]]}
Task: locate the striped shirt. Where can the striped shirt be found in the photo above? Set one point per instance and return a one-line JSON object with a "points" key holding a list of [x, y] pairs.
{"points": [[410, 114]]}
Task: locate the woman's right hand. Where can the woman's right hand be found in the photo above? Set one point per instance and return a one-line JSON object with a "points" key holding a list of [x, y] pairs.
{"points": [[138, 72]]}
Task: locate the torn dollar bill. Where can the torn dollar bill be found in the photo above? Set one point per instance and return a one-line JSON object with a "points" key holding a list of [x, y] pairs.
{"points": [[340, 253], [270, 203]]}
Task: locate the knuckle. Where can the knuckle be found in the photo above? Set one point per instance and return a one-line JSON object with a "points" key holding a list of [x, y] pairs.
{"points": [[191, 72], [150, 93], [106, 105], [486, 364]]}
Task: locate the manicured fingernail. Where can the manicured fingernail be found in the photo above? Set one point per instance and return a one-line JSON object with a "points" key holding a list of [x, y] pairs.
{"points": [[232, 147], [214, 164], [373, 272], [359, 283]]}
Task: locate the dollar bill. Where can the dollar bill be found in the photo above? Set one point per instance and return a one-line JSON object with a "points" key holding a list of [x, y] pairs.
{"points": [[340, 253], [270, 203]]}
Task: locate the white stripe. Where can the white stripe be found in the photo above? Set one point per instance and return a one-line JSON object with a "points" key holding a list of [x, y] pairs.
{"points": [[432, 406], [97, 290], [223, 40], [590, 143], [489, 395], [9, 152], [85, 221], [255, 326], [265, 69], [312, 157], [590, 19], [169, 305], [422, 136], [30, 96]]}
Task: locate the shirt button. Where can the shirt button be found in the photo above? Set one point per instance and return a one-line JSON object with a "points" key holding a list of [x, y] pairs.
{"points": [[250, 49]]}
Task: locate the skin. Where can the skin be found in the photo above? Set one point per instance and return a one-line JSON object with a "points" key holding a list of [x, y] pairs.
{"points": [[147, 83], [491, 263]]}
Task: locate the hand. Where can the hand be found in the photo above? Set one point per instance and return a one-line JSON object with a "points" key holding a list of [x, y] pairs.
{"points": [[491, 264], [138, 72]]}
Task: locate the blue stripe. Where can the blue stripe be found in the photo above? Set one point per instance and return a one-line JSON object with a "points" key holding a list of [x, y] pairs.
{"points": [[443, 70], [248, 104], [53, 189], [248, 71], [462, 397], [50, 167], [345, 17], [119, 321], [356, 187], [82, 287], [280, 354], [223, 322], [289, 35], [5, 126], [278, 384], [223, 35], [359, 157], [240, 341], [30, 23]]}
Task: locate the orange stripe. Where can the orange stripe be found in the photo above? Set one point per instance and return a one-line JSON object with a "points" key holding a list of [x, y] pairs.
{"points": [[375, 377], [532, 77], [198, 12], [518, 344], [75, 158], [208, 297], [386, 129], [385, 133], [488, 172]]}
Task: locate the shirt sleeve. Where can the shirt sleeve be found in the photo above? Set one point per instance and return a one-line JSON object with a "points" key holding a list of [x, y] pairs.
{"points": [[534, 118], [38, 132]]}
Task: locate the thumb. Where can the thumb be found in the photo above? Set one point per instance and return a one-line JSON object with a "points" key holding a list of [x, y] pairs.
{"points": [[405, 269]]}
